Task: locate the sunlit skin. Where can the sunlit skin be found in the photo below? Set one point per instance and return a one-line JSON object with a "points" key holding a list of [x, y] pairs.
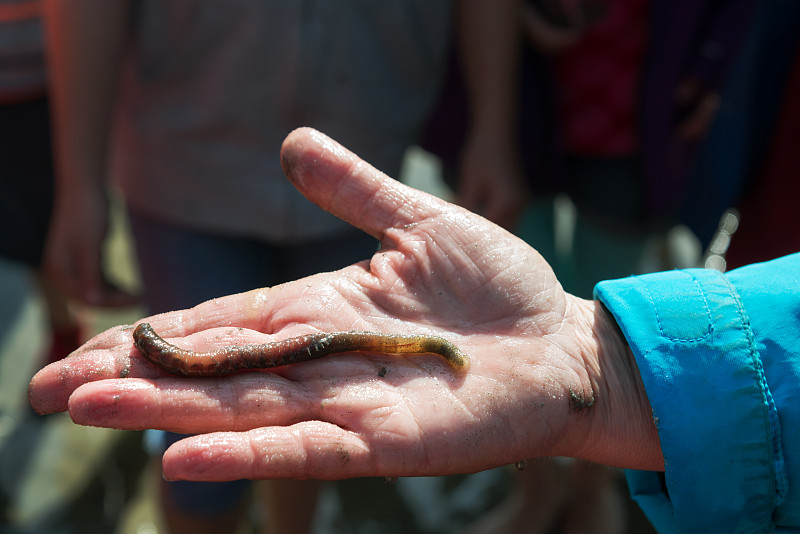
{"points": [[549, 374]]}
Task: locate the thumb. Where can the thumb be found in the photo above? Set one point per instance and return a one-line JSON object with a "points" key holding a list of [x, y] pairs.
{"points": [[343, 184]]}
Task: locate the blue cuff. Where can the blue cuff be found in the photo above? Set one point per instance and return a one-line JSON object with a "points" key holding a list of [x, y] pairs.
{"points": [[714, 412]]}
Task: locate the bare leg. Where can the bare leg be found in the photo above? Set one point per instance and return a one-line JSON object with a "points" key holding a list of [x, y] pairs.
{"points": [[179, 522], [596, 502], [289, 505], [534, 504], [570, 498]]}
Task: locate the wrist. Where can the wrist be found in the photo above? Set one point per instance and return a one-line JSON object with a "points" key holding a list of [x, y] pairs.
{"points": [[619, 430], [492, 131]]}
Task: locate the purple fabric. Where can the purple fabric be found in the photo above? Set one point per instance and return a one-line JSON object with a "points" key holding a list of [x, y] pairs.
{"points": [[699, 38], [681, 30]]}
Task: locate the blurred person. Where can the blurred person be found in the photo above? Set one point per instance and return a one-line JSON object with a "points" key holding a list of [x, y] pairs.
{"points": [[749, 159], [768, 226], [483, 167], [26, 171], [185, 106], [636, 85]]}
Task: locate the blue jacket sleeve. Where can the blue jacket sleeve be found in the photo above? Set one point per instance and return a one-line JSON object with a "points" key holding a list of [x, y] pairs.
{"points": [[719, 359]]}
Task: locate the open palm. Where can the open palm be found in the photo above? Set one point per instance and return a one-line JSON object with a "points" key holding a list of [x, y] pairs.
{"points": [[530, 388]]}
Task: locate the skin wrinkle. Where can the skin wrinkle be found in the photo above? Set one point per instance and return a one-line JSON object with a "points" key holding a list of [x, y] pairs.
{"points": [[422, 447], [345, 293], [398, 263], [261, 451], [380, 420], [254, 460], [257, 458], [445, 281], [214, 311], [571, 345], [467, 262], [345, 192], [559, 437], [241, 400], [261, 311], [505, 419], [235, 402], [301, 440], [410, 212], [158, 405], [226, 396], [372, 318], [335, 404], [490, 282], [204, 447], [515, 432], [534, 327], [398, 219], [177, 409], [362, 452], [381, 292], [348, 448], [211, 311], [411, 216], [374, 282], [385, 429], [286, 321], [454, 401], [411, 307], [418, 445]]}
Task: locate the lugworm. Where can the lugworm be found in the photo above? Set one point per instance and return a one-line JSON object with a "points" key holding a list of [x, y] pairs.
{"points": [[232, 359]]}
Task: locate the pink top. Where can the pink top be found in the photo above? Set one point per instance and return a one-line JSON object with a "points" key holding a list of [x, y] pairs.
{"points": [[598, 80]]}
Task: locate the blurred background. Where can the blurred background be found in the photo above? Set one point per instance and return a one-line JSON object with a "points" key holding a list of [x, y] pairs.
{"points": [[616, 137]]}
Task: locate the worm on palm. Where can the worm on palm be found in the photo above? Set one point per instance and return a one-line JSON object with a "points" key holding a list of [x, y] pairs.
{"points": [[233, 359]]}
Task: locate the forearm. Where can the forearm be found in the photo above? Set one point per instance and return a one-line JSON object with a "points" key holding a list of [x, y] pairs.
{"points": [[85, 42], [490, 174], [488, 42]]}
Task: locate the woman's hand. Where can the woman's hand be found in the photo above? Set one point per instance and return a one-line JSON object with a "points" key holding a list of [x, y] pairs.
{"points": [[549, 374]]}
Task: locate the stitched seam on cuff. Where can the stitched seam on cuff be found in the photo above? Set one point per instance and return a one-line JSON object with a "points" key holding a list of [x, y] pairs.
{"points": [[781, 478], [662, 331]]}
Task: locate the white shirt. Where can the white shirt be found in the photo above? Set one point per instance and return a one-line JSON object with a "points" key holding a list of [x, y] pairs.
{"points": [[212, 88]]}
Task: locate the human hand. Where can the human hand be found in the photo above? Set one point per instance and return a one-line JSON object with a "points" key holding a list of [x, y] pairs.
{"points": [[73, 255], [549, 373], [490, 180], [552, 26], [697, 107]]}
